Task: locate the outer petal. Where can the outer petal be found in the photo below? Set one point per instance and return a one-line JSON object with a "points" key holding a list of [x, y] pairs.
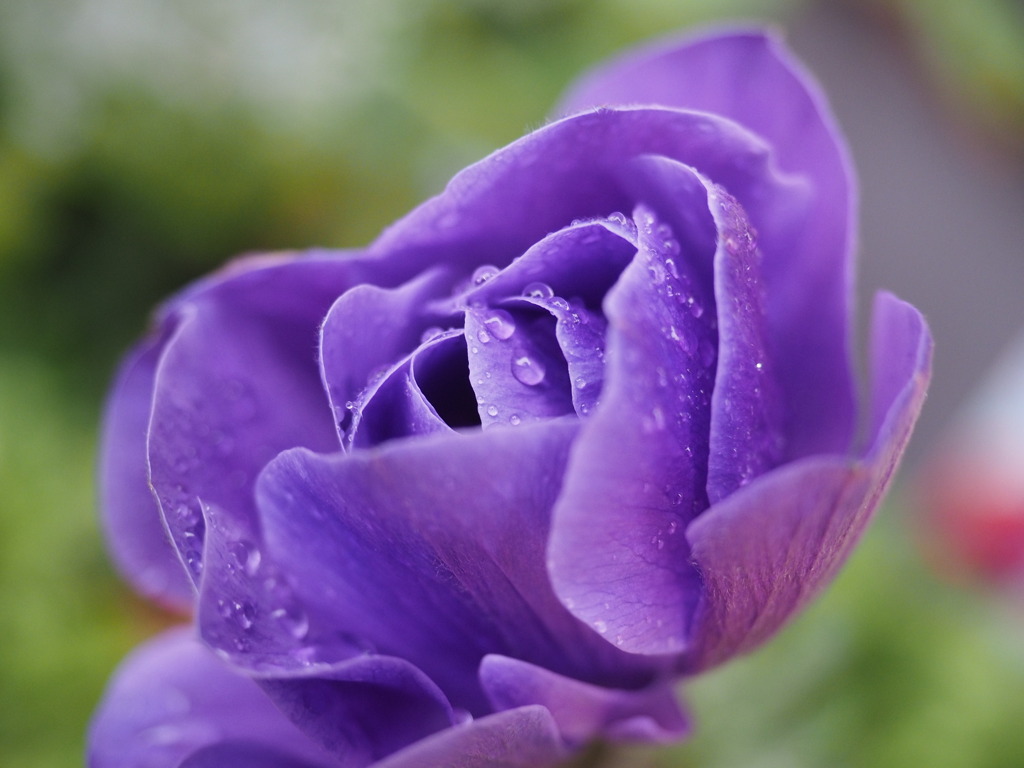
{"points": [[584, 711], [501, 206], [764, 551], [520, 738], [172, 697], [135, 530], [752, 79], [447, 532], [363, 709], [237, 383], [241, 753], [617, 555]]}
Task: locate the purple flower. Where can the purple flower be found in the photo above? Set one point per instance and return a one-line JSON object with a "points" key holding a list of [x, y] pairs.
{"points": [[579, 426]]}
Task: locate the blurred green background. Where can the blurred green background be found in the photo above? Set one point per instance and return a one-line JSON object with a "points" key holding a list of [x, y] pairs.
{"points": [[142, 143]]}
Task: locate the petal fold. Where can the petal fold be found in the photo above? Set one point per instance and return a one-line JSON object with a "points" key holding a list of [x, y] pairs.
{"points": [[135, 532], [448, 532], [172, 697], [519, 738], [617, 555], [751, 78], [582, 711], [770, 547], [237, 383]]}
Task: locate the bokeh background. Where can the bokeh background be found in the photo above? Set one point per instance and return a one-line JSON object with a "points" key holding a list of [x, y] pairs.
{"points": [[143, 142]]}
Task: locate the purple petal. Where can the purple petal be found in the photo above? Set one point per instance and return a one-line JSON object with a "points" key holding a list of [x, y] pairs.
{"points": [[519, 379], [580, 332], [172, 697], [582, 260], [617, 556], [241, 753], [752, 79], [362, 709], [135, 531], [448, 533], [765, 551], [502, 206], [237, 383], [398, 404], [746, 436], [746, 406], [581, 711], [520, 738], [366, 330]]}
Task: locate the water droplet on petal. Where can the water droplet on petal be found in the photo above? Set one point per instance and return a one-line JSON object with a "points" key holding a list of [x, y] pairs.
{"points": [[526, 370], [484, 273], [500, 324], [483, 335], [601, 626], [430, 333], [538, 291], [514, 420], [246, 555], [293, 619], [492, 410]]}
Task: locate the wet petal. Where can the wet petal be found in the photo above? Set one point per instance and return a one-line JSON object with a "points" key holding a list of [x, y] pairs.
{"points": [[399, 403], [583, 712], [752, 79], [521, 378], [765, 551], [747, 437], [519, 738], [448, 532], [134, 528], [172, 696], [362, 709], [500, 207], [618, 556], [244, 347], [582, 260], [367, 329]]}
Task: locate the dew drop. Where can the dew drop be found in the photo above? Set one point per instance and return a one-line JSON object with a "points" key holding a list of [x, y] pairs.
{"points": [[430, 333], [526, 370], [514, 420], [581, 382], [484, 273], [188, 516], [500, 324], [601, 626], [238, 613], [246, 555], [484, 336], [538, 291], [492, 410], [293, 619]]}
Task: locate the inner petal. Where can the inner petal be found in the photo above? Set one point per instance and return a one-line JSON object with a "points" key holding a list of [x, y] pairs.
{"points": [[582, 260], [515, 365], [426, 392], [618, 553]]}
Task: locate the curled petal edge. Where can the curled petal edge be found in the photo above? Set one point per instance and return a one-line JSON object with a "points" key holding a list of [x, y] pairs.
{"points": [[766, 550]]}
